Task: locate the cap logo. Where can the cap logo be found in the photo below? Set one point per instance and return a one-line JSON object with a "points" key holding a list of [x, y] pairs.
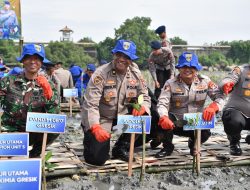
{"points": [[188, 57], [126, 45], [38, 48]]}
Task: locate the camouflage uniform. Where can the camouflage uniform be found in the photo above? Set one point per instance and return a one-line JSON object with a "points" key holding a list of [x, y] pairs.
{"points": [[162, 67], [236, 113], [177, 98], [18, 96]]}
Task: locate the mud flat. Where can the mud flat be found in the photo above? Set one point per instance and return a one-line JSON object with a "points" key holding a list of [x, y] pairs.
{"points": [[210, 178]]}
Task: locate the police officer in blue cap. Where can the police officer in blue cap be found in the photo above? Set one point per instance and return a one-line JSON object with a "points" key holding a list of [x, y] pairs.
{"points": [[161, 31], [88, 73], [110, 89], [186, 93], [161, 65]]}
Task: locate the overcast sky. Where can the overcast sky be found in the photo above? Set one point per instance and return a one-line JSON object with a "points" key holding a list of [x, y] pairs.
{"points": [[196, 21]]}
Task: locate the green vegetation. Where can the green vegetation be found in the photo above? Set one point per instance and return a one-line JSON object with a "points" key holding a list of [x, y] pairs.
{"points": [[135, 29], [215, 59], [8, 51], [178, 41], [68, 53]]}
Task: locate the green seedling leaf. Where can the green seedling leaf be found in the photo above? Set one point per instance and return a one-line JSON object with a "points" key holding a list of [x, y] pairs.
{"points": [[136, 106], [140, 99], [48, 156], [50, 165]]}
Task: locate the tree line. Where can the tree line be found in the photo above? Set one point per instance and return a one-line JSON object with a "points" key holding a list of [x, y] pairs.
{"points": [[136, 29]]}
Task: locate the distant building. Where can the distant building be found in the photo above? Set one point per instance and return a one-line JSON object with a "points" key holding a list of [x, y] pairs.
{"points": [[66, 32]]}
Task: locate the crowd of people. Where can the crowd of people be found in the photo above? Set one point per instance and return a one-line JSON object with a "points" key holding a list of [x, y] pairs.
{"points": [[108, 91]]}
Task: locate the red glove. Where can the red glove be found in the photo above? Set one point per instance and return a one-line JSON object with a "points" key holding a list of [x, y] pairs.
{"points": [[228, 87], [142, 110], [209, 111], [100, 134], [166, 123], [43, 82]]}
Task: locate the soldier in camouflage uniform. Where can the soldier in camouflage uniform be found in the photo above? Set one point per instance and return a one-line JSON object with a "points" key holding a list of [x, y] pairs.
{"points": [[161, 65], [236, 113], [110, 89], [186, 93], [28, 92]]}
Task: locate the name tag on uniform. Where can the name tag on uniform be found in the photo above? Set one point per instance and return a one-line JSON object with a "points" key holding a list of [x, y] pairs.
{"points": [[201, 91]]}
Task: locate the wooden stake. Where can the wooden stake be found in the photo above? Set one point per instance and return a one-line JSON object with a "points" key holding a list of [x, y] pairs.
{"points": [[70, 106], [198, 148], [194, 157], [143, 153], [44, 185], [131, 154]]}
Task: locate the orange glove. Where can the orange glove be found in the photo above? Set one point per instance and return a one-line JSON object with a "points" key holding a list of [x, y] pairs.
{"points": [[228, 87], [43, 82], [209, 111], [100, 134], [166, 123], [135, 112]]}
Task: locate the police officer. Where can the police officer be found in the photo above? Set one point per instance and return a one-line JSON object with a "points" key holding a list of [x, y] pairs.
{"points": [[111, 87], [88, 73], [161, 31], [28, 92], [161, 65], [236, 113], [186, 93]]}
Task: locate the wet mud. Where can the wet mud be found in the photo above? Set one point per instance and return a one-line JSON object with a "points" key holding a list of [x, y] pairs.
{"points": [[210, 178]]}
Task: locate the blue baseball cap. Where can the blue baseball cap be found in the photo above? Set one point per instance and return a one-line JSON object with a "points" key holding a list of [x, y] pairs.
{"points": [[75, 70], [32, 49], [160, 29], [155, 44], [15, 71], [190, 60], [91, 67], [126, 47]]}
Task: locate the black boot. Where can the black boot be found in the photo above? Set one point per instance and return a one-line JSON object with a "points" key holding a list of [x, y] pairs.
{"points": [[155, 143], [235, 144], [247, 139], [121, 148], [166, 151], [121, 151]]}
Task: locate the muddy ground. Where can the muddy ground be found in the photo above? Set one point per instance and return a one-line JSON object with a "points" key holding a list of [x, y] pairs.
{"points": [[210, 178]]}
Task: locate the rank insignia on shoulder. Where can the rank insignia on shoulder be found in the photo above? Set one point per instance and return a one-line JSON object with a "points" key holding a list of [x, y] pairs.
{"points": [[97, 80]]}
